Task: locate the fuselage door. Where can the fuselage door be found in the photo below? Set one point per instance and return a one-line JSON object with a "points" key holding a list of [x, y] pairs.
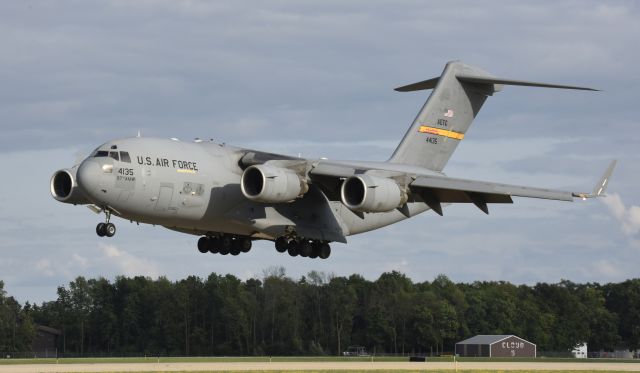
{"points": [[164, 197]]}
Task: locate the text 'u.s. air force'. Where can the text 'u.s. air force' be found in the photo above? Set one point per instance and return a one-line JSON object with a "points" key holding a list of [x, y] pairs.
{"points": [[164, 162]]}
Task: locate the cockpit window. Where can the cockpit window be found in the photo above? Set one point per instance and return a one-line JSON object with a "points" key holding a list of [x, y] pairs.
{"points": [[124, 157], [114, 155], [101, 153]]}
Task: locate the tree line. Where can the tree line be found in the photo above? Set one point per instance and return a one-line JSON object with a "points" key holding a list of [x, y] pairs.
{"points": [[319, 314]]}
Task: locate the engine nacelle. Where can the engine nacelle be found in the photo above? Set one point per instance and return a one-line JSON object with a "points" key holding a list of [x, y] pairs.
{"points": [[365, 193], [64, 187], [270, 184]]}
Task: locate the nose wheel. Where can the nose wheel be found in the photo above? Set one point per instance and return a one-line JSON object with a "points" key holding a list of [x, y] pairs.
{"points": [[106, 229]]}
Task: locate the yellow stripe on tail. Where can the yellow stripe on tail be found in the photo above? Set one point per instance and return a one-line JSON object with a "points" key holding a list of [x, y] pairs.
{"points": [[441, 132]]}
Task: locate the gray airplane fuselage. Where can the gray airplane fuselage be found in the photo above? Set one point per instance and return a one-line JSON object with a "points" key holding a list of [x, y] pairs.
{"points": [[195, 188]]}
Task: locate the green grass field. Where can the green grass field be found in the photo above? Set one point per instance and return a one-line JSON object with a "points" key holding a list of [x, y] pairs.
{"points": [[405, 371], [262, 359], [395, 371]]}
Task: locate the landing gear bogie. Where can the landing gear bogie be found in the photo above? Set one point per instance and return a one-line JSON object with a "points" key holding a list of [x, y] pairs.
{"points": [[224, 244], [303, 247]]}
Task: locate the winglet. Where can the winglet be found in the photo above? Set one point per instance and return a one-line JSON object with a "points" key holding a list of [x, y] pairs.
{"points": [[600, 188]]}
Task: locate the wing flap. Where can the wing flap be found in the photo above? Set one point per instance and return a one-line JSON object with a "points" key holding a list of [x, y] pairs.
{"points": [[332, 170], [464, 191]]}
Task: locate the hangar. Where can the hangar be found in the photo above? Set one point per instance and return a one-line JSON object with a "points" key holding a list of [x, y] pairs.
{"points": [[495, 346], [45, 342]]}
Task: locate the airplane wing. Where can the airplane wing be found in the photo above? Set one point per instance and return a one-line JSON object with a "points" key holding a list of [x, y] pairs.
{"points": [[436, 190], [433, 189]]}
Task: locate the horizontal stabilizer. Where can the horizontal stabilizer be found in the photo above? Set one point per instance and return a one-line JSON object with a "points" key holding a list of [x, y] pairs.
{"points": [[491, 80], [420, 86], [431, 83]]}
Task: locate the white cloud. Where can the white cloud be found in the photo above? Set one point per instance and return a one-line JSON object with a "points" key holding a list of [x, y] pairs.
{"points": [[629, 217], [44, 267], [606, 268], [129, 264], [80, 260]]}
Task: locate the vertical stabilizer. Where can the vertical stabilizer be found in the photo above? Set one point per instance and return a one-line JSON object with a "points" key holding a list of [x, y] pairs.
{"points": [[444, 118], [458, 95]]}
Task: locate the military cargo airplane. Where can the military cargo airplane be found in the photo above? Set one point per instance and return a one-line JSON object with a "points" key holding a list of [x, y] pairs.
{"points": [[231, 196]]}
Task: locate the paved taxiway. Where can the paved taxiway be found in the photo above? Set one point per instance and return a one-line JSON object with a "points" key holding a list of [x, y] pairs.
{"points": [[301, 366]]}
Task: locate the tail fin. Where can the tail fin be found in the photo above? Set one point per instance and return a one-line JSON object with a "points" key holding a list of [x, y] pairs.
{"points": [[455, 101]]}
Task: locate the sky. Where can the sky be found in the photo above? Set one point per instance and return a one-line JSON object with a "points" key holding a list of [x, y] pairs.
{"points": [[316, 78]]}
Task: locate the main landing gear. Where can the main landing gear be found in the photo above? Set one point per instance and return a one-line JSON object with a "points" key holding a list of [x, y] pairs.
{"points": [[303, 247], [106, 229], [224, 245]]}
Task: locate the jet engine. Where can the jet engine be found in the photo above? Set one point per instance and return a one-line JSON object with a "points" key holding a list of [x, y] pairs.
{"points": [[365, 193], [270, 184], [64, 187]]}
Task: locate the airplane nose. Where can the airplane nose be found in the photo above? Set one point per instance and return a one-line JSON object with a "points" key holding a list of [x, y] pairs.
{"points": [[88, 176]]}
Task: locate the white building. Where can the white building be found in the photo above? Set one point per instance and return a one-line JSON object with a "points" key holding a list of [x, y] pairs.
{"points": [[580, 351]]}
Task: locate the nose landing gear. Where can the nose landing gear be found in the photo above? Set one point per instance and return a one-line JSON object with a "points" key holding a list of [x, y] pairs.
{"points": [[106, 229]]}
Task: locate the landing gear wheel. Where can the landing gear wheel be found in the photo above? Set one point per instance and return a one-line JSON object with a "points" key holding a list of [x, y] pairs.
{"points": [[245, 245], [225, 243], [101, 229], [316, 250], [325, 251], [106, 229], [213, 245], [236, 247], [203, 245], [110, 229], [282, 244], [305, 249], [293, 248]]}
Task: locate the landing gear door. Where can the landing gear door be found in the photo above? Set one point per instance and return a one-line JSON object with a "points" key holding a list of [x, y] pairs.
{"points": [[164, 197]]}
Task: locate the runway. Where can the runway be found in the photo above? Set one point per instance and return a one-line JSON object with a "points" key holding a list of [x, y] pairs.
{"points": [[314, 366]]}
